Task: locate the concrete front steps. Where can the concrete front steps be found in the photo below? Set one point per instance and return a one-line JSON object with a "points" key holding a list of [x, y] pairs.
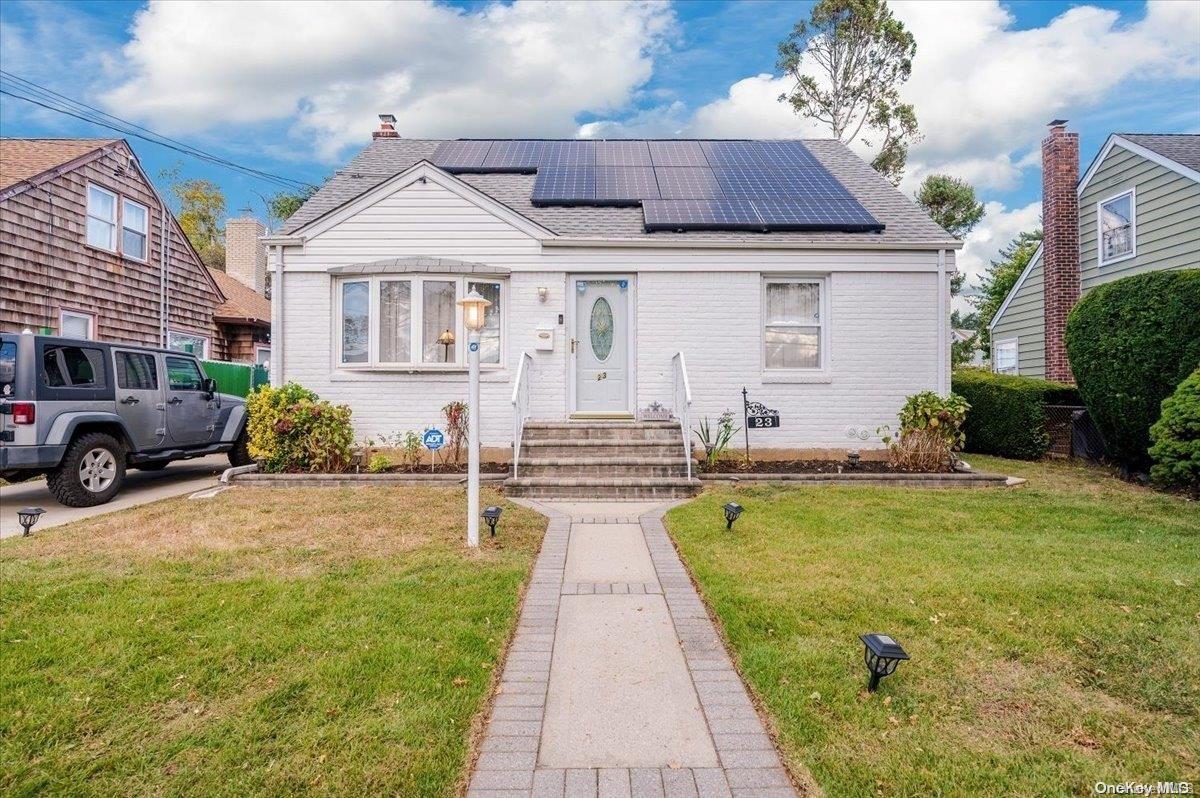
{"points": [[602, 459]]}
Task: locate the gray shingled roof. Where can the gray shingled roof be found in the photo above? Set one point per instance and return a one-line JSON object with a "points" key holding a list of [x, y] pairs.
{"points": [[1182, 148], [905, 223]]}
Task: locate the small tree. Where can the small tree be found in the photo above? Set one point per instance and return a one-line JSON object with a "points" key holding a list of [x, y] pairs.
{"points": [[1001, 276], [862, 55], [283, 204], [951, 203], [199, 206]]}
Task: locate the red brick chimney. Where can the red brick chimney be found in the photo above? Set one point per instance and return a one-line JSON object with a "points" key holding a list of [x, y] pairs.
{"points": [[1060, 245], [387, 128]]}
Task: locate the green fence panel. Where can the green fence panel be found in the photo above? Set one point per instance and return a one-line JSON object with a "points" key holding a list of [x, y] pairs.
{"points": [[236, 379], [261, 377]]}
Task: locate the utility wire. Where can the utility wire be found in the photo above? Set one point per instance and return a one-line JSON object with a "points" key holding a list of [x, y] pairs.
{"points": [[53, 101]]}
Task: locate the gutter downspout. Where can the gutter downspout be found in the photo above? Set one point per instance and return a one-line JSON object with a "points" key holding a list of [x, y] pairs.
{"points": [[943, 325], [277, 319]]}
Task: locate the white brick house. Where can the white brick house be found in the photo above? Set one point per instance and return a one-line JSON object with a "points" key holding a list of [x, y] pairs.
{"points": [[366, 273]]}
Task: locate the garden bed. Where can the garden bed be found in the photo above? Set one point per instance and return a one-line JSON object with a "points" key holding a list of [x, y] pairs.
{"points": [[443, 468], [842, 466]]}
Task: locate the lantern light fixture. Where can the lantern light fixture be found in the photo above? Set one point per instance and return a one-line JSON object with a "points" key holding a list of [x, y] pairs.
{"points": [[732, 511], [27, 517], [492, 516], [881, 654], [474, 310]]}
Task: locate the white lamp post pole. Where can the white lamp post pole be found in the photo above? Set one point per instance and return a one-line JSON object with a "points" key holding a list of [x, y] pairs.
{"points": [[474, 307], [473, 441]]}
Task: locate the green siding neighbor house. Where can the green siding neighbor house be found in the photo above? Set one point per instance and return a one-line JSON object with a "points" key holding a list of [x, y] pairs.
{"points": [[1138, 211]]}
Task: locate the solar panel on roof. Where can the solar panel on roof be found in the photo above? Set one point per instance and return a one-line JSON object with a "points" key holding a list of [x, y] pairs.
{"points": [[457, 156], [625, 185], [687, 182], [677, 153], [743, 154], [751, 183], [514, 156], [787, 155], [622, 153], [574, 185], [713, 214], [567, 153], [816, 213]]}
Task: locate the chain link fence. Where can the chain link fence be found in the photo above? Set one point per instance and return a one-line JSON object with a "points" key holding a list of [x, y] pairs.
{"points": [[1073, 433]]}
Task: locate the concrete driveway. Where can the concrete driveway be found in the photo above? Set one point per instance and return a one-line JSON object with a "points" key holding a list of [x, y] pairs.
{"points": [[141, 487]]}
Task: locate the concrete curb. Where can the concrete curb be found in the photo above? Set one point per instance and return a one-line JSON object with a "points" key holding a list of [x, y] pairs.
{"points": [[892, 480], [253, 479]]}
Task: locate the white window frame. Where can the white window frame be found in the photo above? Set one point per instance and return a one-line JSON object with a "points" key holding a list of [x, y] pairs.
{"points": [[78, 314], [202, 355], [143, 233], [416, 310], [258, 361], [1016, 348], [822, 282], [1132, 253], [115, 221]]}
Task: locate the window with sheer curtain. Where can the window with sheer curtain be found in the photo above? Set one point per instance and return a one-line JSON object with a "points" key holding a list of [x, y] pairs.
{"points": [[793, 324]]}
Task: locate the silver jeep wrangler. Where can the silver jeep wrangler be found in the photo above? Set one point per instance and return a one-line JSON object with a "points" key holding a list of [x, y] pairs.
{"points": [[82, 412]]}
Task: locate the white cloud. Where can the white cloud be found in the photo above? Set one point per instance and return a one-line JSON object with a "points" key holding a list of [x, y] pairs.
{"points": [[983, 90], [327, 68], [982, 245]]}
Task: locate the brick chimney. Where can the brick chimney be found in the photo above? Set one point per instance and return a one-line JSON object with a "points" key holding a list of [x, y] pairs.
{"points": [[387, 128], [1060, 245], [245, 253]]}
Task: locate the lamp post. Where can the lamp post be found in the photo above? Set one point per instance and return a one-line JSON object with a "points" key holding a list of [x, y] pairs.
{"points": [[474, 307]]}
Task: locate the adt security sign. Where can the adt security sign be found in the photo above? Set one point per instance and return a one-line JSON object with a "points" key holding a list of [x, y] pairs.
{"points": [[434, 439]]}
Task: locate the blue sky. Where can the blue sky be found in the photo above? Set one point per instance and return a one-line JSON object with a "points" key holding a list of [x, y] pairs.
{"points": [[293, 88]]}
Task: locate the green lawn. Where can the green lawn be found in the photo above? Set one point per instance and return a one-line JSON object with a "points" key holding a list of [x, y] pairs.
{"points": [[264, 642], [1054, 629]]}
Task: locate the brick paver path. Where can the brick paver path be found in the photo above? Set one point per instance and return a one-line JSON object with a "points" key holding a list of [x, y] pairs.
{"points": [[616, 683]]}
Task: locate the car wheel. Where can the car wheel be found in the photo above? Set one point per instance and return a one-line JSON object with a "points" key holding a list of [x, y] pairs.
{"points": [[239, 455], [91, 472]]}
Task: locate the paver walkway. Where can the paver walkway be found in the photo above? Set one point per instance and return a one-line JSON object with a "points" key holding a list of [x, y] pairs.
{"points": [[616, 683]]}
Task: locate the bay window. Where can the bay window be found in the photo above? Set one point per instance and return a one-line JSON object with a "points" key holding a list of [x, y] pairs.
{"points": [[413, 322], [794, 324]]}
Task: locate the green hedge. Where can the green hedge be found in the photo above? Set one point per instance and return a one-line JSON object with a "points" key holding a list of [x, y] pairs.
{"points": [[1131, 342], [1176, 437], [1007, 416]]}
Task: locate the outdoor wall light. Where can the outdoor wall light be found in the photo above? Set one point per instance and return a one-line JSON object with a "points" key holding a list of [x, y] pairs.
{"points": [[473, 306], [492, 516], [732, 511], [882, 654], [543, 293], [28, 516]]}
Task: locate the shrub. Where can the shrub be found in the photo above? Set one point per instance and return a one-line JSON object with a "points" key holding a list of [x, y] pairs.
{"points": [[930, 431], [1008, 417], [716, 440], [1176, 438], [1131, 342], [292, 430], [379, 463], [456, 426]]}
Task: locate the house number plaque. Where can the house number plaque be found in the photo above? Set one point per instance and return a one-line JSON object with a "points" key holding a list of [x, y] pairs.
{"points": [[758, 416]]}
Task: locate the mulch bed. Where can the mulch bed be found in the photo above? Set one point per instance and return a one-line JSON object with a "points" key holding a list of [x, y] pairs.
{"points": [[810, 467]]}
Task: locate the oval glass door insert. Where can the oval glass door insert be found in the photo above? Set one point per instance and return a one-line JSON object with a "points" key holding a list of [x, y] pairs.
{"points": [[602, 329]]}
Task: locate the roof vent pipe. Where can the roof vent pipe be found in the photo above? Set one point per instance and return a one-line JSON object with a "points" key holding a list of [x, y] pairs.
{"points": [[387, 128]]}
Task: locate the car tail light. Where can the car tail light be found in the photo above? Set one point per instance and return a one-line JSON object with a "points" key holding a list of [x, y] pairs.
{"points": [[24, 412]]}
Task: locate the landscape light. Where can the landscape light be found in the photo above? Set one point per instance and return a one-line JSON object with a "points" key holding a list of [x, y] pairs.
{"points": [[732, 511], [27, 517], [882, 654], [492, 515]]}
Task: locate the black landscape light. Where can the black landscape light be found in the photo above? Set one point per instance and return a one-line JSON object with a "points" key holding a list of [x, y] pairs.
{"points": [[854, 458], [882, 654], [27, 517], [492, 515], [732, 511]]}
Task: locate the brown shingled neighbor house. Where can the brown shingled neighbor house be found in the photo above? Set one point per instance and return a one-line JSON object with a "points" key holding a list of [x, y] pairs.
{"points": [[81, 255]]}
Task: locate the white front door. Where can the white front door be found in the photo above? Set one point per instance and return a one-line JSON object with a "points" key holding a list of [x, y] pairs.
{"points": [[601, 345]]}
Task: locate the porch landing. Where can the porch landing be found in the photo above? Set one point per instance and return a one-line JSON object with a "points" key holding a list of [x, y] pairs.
{"points": [[602, 459]]}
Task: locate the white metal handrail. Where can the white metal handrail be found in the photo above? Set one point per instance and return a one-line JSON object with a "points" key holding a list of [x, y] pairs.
{"points": [[520, 403], [683, 404]]}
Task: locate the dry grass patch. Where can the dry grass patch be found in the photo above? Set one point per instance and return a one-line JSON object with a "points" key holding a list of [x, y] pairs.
{"points": [[263, 642]]}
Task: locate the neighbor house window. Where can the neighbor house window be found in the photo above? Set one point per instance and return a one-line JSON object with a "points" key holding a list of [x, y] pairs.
{"points": [[102, 218], [135, 224], [188, 342], [794, 324], [1005, 359], [413, 322], [1118, 227], [262, 356], [73, 324]]}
